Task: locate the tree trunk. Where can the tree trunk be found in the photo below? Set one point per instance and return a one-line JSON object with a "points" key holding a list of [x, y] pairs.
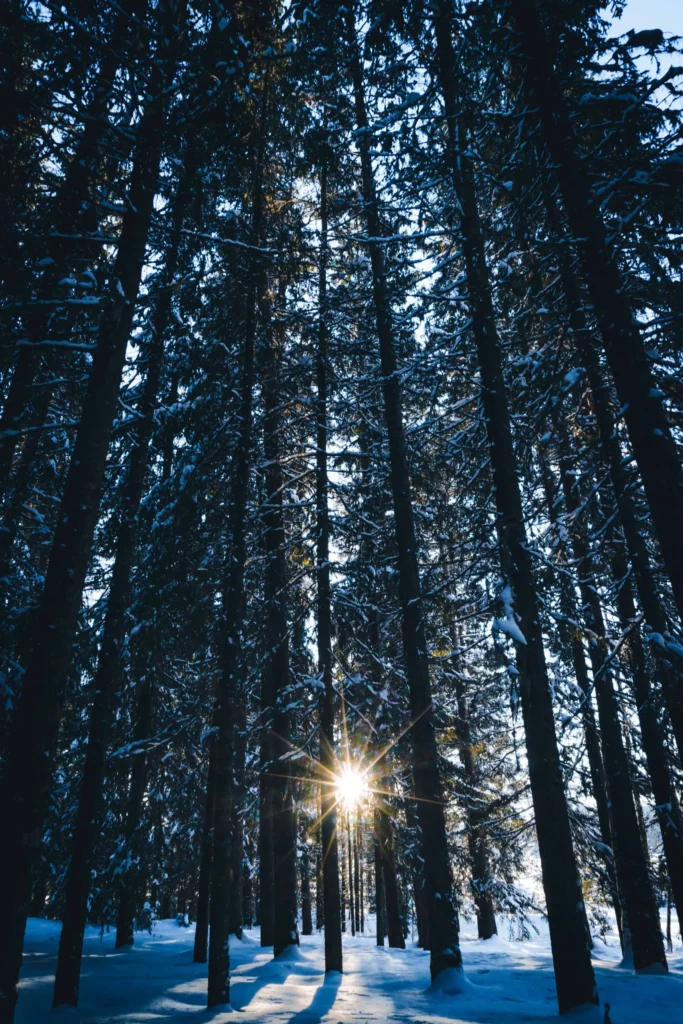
{"points": [[573, 645], [644, 412], [131, 878], [201, 934], [239, 799], [349, 861], [328, 826], [109, 667], [266, 883], [668, 665], [631, 858], [356, 876], [476, 837], [28, 770], [285, 924], [379, 893], [667, 807], [306, 914], [574, 976], [443, 918], [232, 616], [361, 862], [75, 216], [384, 837]]}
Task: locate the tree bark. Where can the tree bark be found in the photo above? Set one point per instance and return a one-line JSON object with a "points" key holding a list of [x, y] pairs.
{"points": [[201, 934], [266, 882], [668, 669], [574, 978], [443, 919], [129, 898], [349, 861], [75, 217], [328, 826], [285, 924], [232, 616], [644, 412], [476, 837], [109, 672], [631, 857], [379, 892], [573, 645], [306, 912], [667, 807], [28, 770]]}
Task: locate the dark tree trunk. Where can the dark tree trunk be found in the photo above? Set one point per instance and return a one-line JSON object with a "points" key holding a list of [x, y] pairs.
{"points": [[239, 799], [319, 902], [360, 859], [131, 880], [379, 894], [342, 870], [306, 911], [631, 857], [573, 645], [201, 935], [266, 884], [75, 216], [644, 413], [356, 878], [668, 668], [232, 616], [285, 923], [384, 837], [667, 807], [476, 836], [28, 770], [328, 826], [443, 918], [247, 896], [574, 976], [109, 668], [349, 861]]}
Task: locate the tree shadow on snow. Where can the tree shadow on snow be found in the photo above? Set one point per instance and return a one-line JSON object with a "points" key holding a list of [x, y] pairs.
{"points": [[322, 1002]]}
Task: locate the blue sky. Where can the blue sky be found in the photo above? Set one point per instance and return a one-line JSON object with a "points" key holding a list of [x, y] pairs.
{"points": [[664, 14]]}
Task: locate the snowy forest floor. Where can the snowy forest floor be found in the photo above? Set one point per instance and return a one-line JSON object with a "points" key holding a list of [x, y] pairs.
{"points": [[156, 983]]}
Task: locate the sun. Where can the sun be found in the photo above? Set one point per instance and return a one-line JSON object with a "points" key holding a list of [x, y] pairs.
{"points": [[352, 787]]}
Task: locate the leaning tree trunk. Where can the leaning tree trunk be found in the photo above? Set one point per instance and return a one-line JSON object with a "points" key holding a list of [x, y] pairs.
{"points": [[631, 856], [574, 978], [669, 667], [644, 413], [573, 646], [28, 770], [667, 806], [75, 218], [328, 824], [443, 918], [109, 667]]}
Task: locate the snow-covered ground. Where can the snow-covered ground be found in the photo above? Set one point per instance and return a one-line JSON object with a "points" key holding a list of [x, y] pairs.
{"points": [[156, 983]]}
